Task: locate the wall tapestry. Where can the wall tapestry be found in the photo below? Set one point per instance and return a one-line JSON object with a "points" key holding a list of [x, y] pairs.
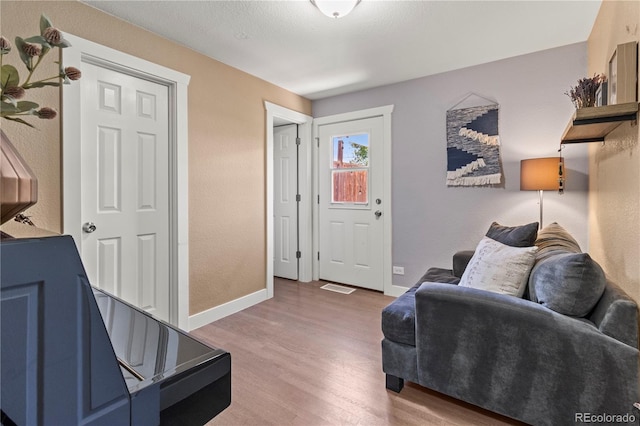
{"points": [[473, 146]]}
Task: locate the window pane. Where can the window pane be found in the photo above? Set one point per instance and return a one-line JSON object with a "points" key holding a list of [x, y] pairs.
{"points": [[351, 151], [350, 186]]}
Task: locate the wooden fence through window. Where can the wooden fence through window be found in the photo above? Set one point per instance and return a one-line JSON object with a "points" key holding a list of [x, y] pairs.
{"points": [[350, 186]]}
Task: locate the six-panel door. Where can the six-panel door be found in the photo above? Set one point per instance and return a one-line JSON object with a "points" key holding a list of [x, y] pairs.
{"points": [[125, 187]]}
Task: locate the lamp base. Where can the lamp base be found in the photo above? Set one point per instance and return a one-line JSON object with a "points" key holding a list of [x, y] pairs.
{"points": [[540, 223]]}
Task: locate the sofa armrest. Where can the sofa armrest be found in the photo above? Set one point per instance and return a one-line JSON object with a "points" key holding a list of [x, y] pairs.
{"points": [[460, 261], [519, 358], [616, 315]]}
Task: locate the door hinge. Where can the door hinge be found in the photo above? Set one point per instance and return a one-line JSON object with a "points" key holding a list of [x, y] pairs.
{"points": [[318, 255], [297, 141], [318, 142], [298, 198], [318, 198], [298, 254]]}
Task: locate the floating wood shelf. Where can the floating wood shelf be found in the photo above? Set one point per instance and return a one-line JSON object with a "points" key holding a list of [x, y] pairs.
{"points": [[594, 123]]}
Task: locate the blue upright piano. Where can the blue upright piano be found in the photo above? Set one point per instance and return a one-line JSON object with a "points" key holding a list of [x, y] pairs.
{"points": [[72, 354]]}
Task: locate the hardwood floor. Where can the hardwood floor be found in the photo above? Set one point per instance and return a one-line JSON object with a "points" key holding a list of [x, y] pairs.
{"points": [[312, 357]]}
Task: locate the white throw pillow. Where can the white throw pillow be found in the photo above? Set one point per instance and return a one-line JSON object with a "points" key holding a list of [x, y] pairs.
{"points": [[499, 268]]}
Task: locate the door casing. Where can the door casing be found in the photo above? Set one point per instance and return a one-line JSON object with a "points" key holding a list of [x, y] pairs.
{"points": [[86, 51], [305, 189]]}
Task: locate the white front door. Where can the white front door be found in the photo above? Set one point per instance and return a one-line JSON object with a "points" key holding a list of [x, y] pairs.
{"points": [[285, 205], [351, 207], [125, 187]]}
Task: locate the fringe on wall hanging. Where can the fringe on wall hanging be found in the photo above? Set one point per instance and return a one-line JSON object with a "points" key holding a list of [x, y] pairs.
{"points": [[473, 143]]}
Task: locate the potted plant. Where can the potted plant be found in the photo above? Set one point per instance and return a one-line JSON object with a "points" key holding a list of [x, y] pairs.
{"points": [[19, 186]]}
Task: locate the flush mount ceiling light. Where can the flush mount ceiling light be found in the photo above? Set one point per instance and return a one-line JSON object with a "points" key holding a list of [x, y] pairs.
{"points": [[335, 8]]}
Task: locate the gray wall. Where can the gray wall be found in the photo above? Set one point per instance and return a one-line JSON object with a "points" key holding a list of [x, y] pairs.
{"points": [[431, 221]]}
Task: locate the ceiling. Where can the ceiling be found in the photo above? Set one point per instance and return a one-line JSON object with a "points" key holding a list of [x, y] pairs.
{"points": [[292, 45]]}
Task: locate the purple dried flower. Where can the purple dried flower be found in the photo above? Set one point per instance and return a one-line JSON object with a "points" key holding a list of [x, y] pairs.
{"points": [[47, 113], [16, 92], [584, 93], [72, 73], [52, 35], [32, 49], [5, 45]]}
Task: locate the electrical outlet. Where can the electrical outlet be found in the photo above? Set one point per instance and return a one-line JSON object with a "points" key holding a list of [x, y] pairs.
{"points": [[398, 270]]}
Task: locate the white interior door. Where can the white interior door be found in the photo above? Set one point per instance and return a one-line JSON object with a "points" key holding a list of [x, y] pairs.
{"points": [[351, 207], [125, 187], [285, 206]]}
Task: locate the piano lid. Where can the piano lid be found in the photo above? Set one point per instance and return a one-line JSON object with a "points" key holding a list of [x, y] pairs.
{"points": [[148, 350]]}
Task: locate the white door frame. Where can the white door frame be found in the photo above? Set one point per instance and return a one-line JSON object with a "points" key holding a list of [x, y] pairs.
{"points": [[385, 113], [305, 189], [87, 51]]}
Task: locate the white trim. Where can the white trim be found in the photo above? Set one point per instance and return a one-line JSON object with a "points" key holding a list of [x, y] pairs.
{"points": [[395, 290], [385, 113], [177, 82], [305, 177], [226, 309], [353, 115], [180, 194]]}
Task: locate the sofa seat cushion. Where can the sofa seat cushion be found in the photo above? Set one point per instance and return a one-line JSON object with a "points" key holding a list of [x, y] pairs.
{"points": [[399, 318]]}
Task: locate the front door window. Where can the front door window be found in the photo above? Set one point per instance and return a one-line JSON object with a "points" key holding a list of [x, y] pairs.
{"points": [[350, 169]]}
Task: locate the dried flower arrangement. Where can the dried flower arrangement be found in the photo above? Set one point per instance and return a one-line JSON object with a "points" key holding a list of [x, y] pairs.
{"points": [[584, 93], [31, 51]]}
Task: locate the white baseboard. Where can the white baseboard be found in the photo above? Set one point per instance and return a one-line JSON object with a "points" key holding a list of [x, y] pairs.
{"points": [[226, 309], [395, 290]]}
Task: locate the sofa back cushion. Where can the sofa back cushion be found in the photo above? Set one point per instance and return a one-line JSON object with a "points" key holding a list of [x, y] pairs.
{"points": [[563, 278], [568, 283], [499, 268], [514, 236], [553, 238]]}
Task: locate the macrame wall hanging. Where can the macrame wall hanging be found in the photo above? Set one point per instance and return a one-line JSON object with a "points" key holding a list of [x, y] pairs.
{"points": [[473, 143]]}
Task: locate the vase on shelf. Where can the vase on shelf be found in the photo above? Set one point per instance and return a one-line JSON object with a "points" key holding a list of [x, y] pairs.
{"points": [[18, 185]]}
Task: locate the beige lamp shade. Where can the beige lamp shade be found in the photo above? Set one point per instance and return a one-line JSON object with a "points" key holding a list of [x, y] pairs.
{"points": [[540, 174]]}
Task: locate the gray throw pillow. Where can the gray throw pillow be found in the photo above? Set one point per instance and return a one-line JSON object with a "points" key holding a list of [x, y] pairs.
{"points": [[514, 236], [568, 283]]}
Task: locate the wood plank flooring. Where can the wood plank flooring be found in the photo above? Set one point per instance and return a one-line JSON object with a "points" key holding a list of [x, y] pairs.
{"points": [[312, 357]]}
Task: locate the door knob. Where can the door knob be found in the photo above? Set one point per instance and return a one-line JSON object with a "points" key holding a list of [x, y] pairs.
{"points": [[378, 213], [89, 227]]}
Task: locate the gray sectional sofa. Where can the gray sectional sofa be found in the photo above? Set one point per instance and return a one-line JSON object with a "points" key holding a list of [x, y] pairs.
{"points": [[517, 356]]}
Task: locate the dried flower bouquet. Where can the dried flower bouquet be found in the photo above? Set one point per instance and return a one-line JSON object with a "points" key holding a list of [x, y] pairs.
{"points": [[31, 50]]}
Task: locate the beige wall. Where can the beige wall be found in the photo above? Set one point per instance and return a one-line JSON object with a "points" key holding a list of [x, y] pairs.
{"points": [[226, 147], [614, 168]]}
